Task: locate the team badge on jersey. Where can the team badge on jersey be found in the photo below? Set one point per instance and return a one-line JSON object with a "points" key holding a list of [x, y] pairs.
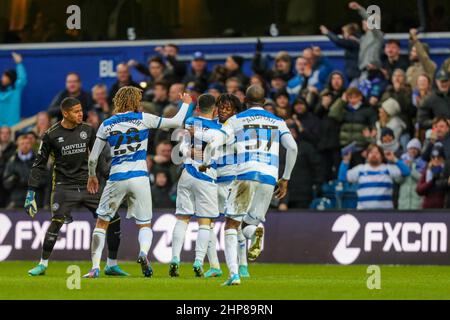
{"points": [[83, 135]]}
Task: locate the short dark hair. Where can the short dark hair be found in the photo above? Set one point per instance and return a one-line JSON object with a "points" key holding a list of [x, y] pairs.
{"points": [[439, 119], [68, 103], [255, 95], [73, 73], [393, 41], [206, 102], [234, 101], [156, 59], [173, 46]]}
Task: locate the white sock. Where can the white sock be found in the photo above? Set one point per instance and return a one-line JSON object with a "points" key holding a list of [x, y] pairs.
{"points": [[249, 231], [98, 242], [145, 239], [242, 249], [111, 262], [231, 250], [44, 262], [212, 250], [179, 231], [201, 245]]}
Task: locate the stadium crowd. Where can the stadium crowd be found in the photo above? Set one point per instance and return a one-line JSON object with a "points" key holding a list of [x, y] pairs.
{"points": [[386, 116]]}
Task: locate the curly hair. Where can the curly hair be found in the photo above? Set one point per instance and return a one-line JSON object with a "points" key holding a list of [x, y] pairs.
{"points": [[127, 99], [227, 98]]}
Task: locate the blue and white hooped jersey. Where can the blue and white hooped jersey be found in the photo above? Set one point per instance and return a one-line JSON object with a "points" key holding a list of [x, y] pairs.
{"points": [[127, 135], [375, 185], [192, 165], [257, 135], [226, 161]]}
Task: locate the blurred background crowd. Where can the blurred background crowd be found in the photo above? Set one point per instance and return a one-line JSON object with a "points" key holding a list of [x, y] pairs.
{"points": [[384, 107]]}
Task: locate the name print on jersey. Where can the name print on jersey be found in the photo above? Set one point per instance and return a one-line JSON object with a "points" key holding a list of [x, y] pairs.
{"points": [[74, 149]]}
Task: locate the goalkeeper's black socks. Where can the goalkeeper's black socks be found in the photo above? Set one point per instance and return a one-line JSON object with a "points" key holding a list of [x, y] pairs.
{"points": [[50, 238], [113, 237]]}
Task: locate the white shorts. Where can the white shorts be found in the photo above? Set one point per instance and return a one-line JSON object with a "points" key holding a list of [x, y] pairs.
{"points": [[249, 199], [135, 191], [223, 189], [196, 197]]}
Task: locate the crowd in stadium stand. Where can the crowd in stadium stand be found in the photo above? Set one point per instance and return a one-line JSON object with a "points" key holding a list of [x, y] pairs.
{"points": [[382, 125]]}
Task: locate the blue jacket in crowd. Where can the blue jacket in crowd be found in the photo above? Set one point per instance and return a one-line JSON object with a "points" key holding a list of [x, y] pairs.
{"points": [[11, 99]]}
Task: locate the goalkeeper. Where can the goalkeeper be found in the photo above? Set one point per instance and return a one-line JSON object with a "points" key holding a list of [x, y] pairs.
{"points": [[69, 142]]}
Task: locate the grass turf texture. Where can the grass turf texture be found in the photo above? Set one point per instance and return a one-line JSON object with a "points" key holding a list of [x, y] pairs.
{"points": [[268, 281]]}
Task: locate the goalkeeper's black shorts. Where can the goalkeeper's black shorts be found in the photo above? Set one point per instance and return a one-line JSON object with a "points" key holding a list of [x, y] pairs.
{"points": [[66, 198]]}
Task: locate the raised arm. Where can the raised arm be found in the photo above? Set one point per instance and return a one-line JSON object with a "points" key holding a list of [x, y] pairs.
{"points": [[178, 119]]}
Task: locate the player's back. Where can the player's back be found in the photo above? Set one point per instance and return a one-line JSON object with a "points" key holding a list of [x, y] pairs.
{"points": [[257, 134], [192, 165], [127, 135]]}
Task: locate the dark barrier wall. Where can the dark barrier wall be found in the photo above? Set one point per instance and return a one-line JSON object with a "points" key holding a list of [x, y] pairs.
{"points": [[48, 64], [293, 237]]}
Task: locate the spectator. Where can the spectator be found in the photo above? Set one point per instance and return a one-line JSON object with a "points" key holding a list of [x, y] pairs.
{"points": [[321, 68], [388, 143], [299, 81], [233, 85], [233, 65], [350, 43], [371, 42], [282, 102], [215, 89], [440, 134], [401, 92], [93, 119], [123, 79], [388, 116], [354, 117], [437, 104], [101, 106], [408, 198], [373, 84], [269, 106], [161, 161], [328, 144], [175, 69], [430, 185], [162, 135], [74, 90], [7, 149], [17, 171], [308, 172], [155, 70], [198, 71], [12, 84], [256, 79], [420, 60], [422, 90], [279, 82], [392, 59], [307, 123], [159, 97], [161, 192], [218, 74], [375, 190], [282, 64], [43, 123]]}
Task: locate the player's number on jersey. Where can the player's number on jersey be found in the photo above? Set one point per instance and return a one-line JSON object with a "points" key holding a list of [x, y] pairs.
{"points": [[260, 137], [130, 137]]}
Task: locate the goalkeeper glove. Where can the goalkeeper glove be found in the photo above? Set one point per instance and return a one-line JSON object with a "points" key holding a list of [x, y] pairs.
{"points": [[30, 204]]}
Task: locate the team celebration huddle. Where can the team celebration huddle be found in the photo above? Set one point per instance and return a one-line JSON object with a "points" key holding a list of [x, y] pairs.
{"points": [[230, 154]]}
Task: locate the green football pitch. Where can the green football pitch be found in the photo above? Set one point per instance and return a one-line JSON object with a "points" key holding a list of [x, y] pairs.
{"points": [[268, 281]]}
